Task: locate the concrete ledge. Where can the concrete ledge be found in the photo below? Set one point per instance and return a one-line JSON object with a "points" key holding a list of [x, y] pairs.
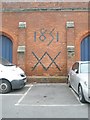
{"points": [[43, 9], [47, 79]]}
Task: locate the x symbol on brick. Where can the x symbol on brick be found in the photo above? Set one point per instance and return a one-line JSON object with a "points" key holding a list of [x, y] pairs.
{"points": [[53, 61], [39, 61]]}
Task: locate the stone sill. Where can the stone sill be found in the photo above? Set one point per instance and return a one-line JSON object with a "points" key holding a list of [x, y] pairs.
{"points": [[47, 79]]}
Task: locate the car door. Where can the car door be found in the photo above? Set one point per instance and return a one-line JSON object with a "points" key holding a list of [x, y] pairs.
{"points": [[73, 75]]}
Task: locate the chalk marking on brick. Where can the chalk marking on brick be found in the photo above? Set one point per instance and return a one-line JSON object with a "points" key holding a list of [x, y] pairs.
{"points": [[19, 101]]}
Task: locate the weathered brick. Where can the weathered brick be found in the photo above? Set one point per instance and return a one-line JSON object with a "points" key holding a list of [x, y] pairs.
{"points": [[45, 36]]}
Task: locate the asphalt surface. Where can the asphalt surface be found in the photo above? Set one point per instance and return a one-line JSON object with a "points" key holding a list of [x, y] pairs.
{"points": [[49, 100]]}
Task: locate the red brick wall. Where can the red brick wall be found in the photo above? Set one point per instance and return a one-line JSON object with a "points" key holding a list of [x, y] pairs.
{"points": [[45, 36], [44, 4]]}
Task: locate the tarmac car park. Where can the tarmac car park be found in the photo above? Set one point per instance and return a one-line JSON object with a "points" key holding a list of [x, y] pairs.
{"points": [[43, 100]]}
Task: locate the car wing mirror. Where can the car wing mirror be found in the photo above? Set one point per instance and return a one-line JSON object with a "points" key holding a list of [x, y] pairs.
{"points": [[76, 71]]}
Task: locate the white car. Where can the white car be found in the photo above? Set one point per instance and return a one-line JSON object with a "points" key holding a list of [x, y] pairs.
{"points": [[11, 77], [79, 80]]}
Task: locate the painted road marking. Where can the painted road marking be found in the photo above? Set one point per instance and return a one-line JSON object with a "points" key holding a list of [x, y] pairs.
{"points": [[19, 101], [76, 96], [28, 85], [10, 94], [48, 84], [16, 92], [62, 105], [52, 105]]}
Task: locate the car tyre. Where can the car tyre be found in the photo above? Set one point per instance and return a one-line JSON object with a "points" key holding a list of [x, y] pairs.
{"points": [[81, 95], [5, 86]]}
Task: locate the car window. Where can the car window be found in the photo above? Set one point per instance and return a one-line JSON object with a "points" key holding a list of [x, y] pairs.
{"points": [[75, 67], [85, 68]]}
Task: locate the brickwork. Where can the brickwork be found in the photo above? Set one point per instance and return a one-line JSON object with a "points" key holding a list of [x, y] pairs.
{"points": [[45, 5], [46, 36]]}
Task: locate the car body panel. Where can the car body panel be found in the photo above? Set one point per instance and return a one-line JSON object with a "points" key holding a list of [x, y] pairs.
{"points": [[13, 74]]}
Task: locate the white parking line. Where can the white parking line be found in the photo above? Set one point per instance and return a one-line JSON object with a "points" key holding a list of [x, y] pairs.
{"points": [[47, 84], [43, 105], [53, 105], [15, 94], [76, 96], [28, 85], [23, 95], [10, 94]]}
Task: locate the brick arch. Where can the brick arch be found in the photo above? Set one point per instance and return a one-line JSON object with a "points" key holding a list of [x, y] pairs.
{"points": [[8, 35], [78, 44], [85, 35], [85, 47]]}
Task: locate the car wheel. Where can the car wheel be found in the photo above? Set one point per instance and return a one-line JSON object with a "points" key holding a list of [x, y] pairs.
{"points": [[5, 86], [81, 95]]}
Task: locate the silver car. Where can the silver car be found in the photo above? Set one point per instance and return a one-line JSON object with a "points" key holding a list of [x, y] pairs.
{"points": [[79, 80]]}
